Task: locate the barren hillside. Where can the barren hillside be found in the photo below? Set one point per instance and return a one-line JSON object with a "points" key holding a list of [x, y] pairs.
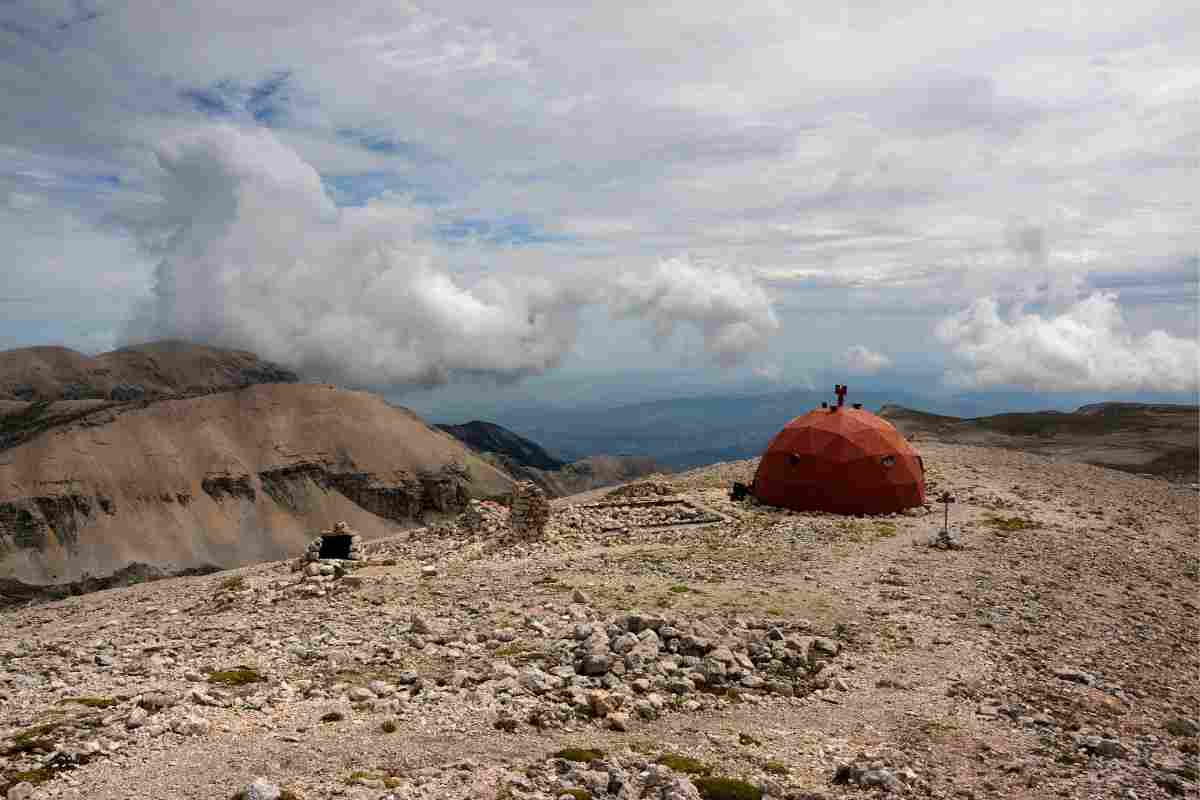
{"points": [[1135, 437], [675, 647], [131, 373], [217, 479]]}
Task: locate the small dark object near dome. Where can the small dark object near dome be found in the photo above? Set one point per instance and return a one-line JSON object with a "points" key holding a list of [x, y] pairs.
{"points": [[739, 491]]}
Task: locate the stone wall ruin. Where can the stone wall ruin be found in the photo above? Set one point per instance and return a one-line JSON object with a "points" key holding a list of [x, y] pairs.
{"points": [[529, 510]]}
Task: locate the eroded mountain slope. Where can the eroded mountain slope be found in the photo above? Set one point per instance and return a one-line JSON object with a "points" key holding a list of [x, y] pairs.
{"points": [[225, 479]]}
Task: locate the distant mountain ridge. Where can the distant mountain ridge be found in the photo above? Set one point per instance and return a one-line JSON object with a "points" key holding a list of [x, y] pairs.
{"points": [[150, 370], [488, 437], [680, 433], [1146, 438], [526, 460]]}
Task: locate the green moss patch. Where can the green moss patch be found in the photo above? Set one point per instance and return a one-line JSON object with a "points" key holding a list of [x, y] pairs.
{"points": [[238, 676], [37, 739], [1009, 523], [683, 764], [231, 584], [90, 702], [727, 789], [885, 530]]}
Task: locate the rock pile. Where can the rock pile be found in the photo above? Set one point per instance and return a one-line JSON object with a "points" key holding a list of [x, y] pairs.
{"points": [[529, 510], [446, 489], [945, 539], [483, 517], [642, 490], [651, 514], [575, 773], [642, 665], [874, 774]]}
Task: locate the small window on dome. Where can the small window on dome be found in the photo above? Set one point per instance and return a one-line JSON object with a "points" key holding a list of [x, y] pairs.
{"points": [[887, 461], [793, 459]]}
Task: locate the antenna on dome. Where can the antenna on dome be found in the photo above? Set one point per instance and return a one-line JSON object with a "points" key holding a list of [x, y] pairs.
{"points": [[840, 390]]}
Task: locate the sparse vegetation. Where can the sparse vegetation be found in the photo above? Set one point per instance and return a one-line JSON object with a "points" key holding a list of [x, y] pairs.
{"points": [[90, 702], [681, 763], [508, 650], [231, 584], [238, 676], [36, 777], [727, 789], [775, 768], [580, 755], [1009, 524], [1191, 568]]}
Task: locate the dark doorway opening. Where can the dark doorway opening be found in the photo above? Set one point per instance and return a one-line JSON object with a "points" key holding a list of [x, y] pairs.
{"points": [[335, 546]]}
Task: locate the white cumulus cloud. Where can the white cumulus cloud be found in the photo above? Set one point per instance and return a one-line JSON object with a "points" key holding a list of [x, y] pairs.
{"points": [[733, 313], [859, 359], [1086, 347], [255, 255]]}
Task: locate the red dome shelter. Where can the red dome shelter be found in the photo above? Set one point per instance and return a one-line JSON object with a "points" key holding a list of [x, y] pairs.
{"points": [[843, 460]]}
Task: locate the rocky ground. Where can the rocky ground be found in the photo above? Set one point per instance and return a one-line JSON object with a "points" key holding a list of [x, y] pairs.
{"points": [[663, 643]]}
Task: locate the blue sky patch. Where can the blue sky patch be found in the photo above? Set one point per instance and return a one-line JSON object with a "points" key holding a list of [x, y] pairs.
{"points": [[503, 231], [216, 101], [387, 145], [265, 102], [92, 182], [360, 188]]}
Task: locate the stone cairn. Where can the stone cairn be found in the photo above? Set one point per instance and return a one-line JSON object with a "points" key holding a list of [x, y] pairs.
{"points": [[529, 510], [317, 574], [313, 552]]}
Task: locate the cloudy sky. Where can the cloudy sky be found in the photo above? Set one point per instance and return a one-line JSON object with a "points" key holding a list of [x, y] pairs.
{"points": [[391, 194]]}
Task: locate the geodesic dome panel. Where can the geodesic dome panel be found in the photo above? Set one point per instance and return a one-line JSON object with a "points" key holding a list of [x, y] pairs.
{"points": [[844, 460]]}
